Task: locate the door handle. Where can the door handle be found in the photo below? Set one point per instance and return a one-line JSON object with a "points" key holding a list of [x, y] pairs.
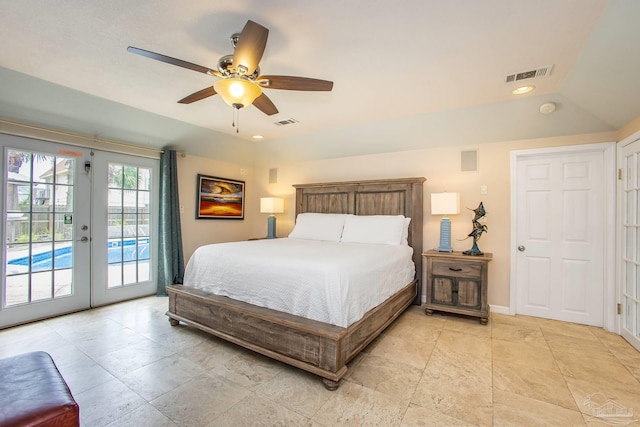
{"points": [[521, 248], [84, 239]]}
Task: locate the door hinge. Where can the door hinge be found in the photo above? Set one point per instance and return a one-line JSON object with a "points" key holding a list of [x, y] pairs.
{"points": [[619, 308], [620, 174]]}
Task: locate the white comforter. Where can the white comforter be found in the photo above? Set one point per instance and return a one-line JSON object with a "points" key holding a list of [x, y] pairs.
{"points": [[332, 282]]}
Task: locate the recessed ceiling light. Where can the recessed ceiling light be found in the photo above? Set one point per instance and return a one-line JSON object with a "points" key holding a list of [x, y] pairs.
{"points": [[257, 136], [522, 90]]}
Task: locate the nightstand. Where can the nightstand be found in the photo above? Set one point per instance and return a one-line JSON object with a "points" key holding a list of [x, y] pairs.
{"points": [[457, 283]]}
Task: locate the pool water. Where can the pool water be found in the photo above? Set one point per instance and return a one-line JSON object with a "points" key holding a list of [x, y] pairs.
{"points": [[119, 251]]}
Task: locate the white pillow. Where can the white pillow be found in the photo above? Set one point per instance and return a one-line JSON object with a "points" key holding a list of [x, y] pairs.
{"points": [[405, 232], [384, 229], [317, 226]]}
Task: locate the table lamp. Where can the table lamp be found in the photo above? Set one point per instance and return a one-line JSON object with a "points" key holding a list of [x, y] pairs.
{"points": [[445, 204], [271, 205]]}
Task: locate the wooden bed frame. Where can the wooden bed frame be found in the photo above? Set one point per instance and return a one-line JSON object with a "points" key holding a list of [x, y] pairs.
{"points": [[316, 347]]}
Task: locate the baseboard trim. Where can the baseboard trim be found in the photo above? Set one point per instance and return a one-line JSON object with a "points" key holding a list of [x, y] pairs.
{"points": [[499, 309]]}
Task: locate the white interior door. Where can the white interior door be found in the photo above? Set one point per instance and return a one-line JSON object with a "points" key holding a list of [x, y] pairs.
{"points": [[46, 230], [125, 227], [630, 277], [560, 237]]}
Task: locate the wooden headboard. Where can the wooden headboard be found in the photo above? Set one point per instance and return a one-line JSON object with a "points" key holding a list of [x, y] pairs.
{"points": [[401, 196]]}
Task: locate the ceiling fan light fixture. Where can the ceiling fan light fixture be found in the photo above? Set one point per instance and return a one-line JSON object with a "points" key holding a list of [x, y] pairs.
{"points": [[237, 92]]}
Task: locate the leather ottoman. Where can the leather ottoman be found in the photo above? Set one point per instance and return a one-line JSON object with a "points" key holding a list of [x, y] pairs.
{"points": [[33, 393]]}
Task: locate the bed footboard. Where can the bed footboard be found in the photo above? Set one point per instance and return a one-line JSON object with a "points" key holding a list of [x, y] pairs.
{"points": [[316, 347]]}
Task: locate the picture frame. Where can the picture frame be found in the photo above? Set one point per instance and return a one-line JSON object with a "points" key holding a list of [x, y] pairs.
{"points": [[219, 198]]}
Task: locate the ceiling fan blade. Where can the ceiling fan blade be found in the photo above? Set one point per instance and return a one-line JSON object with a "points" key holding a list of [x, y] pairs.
{"points": [[250, 47], [264, 104], [295, 83], [197, 96], [172, 61]]}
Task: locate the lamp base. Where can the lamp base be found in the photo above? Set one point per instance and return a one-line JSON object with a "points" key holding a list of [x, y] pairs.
{"points": [[445, 236], [271, 227]]}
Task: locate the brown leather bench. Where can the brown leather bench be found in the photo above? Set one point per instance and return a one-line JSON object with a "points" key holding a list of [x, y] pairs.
{"points": [[33, 393]]}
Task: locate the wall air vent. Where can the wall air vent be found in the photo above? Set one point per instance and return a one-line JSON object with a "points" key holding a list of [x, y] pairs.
{"points": [[285, 122], [544, 71]]}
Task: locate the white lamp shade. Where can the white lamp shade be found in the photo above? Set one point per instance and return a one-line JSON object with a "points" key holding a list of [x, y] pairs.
{"points": [[445, 203], [271, 205]]}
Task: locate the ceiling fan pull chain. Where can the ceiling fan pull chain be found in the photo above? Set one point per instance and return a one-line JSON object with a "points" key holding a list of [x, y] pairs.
{"points": [[233, 117], [236, 119]]}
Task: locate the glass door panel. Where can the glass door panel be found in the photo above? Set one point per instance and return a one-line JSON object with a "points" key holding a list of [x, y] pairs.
{"points": [[41, 224], [125, 267], [630, 288]]}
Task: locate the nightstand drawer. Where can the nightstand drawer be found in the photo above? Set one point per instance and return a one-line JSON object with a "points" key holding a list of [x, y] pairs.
{"points": [[457, 269]]}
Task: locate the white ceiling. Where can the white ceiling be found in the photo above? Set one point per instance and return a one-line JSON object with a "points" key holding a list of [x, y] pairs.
{"points": [[410, 74]]}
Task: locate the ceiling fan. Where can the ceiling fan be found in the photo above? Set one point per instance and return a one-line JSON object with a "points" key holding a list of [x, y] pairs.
{"points": [[241, 83]]}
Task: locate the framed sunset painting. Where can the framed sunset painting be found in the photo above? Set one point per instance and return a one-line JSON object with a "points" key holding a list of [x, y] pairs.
{"points": [[219, 198]]}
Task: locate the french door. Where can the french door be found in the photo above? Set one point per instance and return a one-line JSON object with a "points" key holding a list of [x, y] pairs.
{"points": [[78, 229], [46, 218], [630, 210], [124, 203]]}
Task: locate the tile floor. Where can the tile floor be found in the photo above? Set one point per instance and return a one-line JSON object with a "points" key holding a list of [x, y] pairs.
{"points": [[126, 366]]}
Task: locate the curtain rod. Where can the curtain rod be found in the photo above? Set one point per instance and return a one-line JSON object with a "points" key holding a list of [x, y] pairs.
{"points": [[76, 139]]}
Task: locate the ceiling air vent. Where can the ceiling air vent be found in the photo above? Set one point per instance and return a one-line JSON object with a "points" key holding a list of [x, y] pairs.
{"points": [[285, 122], [529, 74]]}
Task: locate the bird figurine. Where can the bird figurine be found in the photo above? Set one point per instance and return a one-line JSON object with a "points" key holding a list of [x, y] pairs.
{"points": [[477, 231]]}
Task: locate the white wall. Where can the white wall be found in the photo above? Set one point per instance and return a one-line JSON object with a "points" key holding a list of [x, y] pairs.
{"points": [[198, 232], [440, 166]]}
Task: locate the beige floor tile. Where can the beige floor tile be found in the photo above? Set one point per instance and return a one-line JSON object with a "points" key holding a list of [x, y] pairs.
{"points": [[571, 344], [386, 376], [589, 396], [210, 353], [84, 374], [355, 405], [417, 416], [527, 333], [247, 369], [160, 377], [255, 411], [511, 409], [145, 415], [539, 384], [526, 355], [296, 390], [413, 353], [468, 325], [458, 367], [453, 341], [130, 358], [594, 370], [199, 401], [517, 370], [625, 353], [105, 403], [516, 320], [416, 326], [457, 385], [179, 338], [564, 328]]}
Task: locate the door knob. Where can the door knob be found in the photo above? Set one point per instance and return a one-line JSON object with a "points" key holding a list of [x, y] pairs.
{"points": [[521, 248], [84, 239]]}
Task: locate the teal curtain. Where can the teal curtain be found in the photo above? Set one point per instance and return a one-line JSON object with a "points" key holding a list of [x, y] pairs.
{"points": [[170, 255]]}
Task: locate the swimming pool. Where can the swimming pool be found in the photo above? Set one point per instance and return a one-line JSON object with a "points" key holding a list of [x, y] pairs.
{"points": [[125, 250]]}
